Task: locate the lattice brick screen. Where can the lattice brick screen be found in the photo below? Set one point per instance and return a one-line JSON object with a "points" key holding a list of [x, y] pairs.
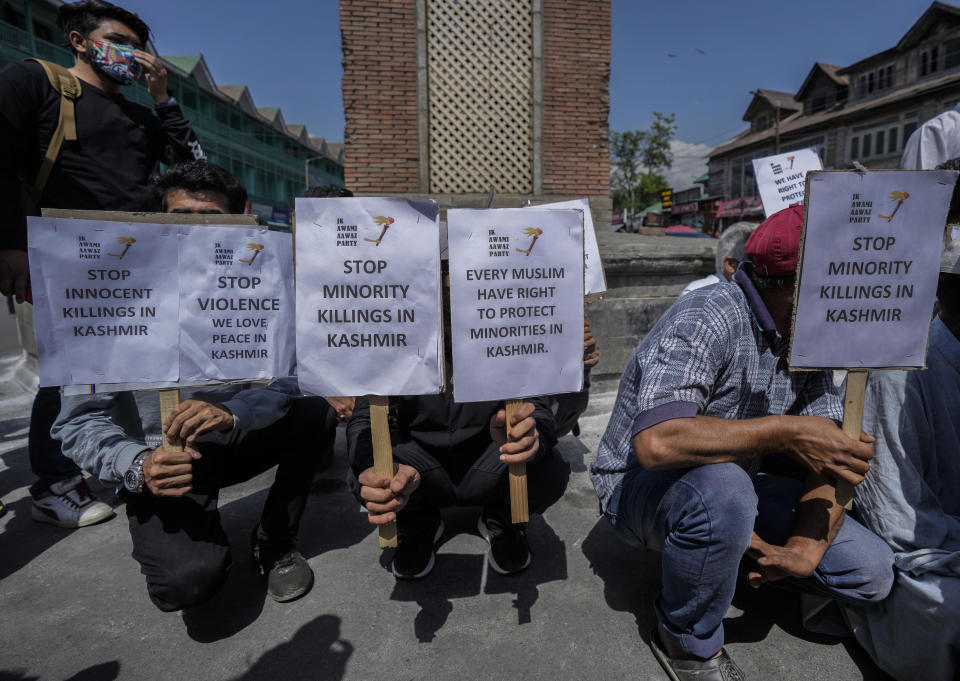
{"points": [[480, 94]]}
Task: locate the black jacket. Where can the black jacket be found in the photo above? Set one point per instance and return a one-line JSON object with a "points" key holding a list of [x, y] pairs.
{"points": [[108, 167], [453, 433]]}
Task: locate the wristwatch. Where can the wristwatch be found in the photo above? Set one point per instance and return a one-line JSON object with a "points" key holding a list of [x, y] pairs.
{"points": [[133, 478]]}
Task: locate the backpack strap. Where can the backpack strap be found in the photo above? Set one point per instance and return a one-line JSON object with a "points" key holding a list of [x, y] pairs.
{"points": [[68, 85]]}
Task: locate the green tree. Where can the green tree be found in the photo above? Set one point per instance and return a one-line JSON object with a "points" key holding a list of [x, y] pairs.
{"points": [[625, 153], [648, 190], [633, 150]]}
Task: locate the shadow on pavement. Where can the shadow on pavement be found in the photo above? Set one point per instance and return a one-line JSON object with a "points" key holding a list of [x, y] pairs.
{"points": [[331, 521], [455, 575], [107, 671], [315, 653], [548, 564], [631, 576]]}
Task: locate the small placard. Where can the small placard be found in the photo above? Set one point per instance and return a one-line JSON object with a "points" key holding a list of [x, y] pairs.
{"points": [[106, 298], [869, 262], [516, 294], [368, 296], [781, 179]]}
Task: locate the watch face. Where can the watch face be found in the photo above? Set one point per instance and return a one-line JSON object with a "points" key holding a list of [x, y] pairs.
{"points": [[131, 480]]}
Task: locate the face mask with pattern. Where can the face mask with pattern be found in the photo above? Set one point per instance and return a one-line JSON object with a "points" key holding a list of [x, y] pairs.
{"points": [[117, 61]]}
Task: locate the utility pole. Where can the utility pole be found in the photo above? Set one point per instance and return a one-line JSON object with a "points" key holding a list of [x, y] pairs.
{"points": [[776, 127]]}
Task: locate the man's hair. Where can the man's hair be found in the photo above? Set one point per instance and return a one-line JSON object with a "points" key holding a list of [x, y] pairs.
{"points": [[203, 176], [948, 294], [763, 283], [87, 16], [733, 243], [327, 191]]}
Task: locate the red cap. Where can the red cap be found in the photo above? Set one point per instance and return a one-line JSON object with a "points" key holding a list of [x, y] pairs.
{"points": [[774, 246]]}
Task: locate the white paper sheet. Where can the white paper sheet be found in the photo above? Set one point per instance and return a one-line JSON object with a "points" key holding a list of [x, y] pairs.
{"points": [[516, 290], [782, 179], [106, 296], [368, 296], [870, 262], [236, 303]]}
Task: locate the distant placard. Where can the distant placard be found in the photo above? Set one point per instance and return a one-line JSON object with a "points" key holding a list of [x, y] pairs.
{"points": [[781, 179], [593, 279], [868, 269], [236, 303], [516, 298], [368, 296], [105, 300]]}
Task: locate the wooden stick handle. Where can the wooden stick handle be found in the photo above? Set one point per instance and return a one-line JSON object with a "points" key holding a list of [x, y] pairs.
{"points": [[169, 399], [382, 456], [852, 423], [519, 506]]}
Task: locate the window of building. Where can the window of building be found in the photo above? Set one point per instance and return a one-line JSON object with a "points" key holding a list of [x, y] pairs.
{"points": [[908, 129], [43, 31], [880, 140], [12, 16], [951, 53], [892, 141], [855, 148], [870, 81], [817, 104], [929, 61], [223, 115], [190, 97], [867, 144], [885, 77]]}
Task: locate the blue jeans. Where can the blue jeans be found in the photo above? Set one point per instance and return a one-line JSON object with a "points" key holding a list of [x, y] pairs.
{"points": [[701, 520]]}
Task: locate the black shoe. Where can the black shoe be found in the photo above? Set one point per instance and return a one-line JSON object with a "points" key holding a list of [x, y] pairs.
{"points": [[509, 551], [288, 574], [417, 536]]}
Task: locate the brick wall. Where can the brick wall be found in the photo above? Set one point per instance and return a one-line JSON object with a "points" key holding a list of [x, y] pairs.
{"points": [[380, 95], [576, 57]]}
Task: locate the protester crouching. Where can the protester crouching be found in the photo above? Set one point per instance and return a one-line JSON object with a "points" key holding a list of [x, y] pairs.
{"points": [[704, 402], [230, 433]]}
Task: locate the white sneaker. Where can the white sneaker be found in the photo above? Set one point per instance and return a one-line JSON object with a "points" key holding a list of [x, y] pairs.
{"points": [[70, 503]]}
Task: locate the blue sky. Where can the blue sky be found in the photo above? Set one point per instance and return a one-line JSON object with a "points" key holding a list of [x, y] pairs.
{"points": [[288, 52]]}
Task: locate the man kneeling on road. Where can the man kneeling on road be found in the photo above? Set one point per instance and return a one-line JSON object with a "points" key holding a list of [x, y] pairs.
{"points": [[703, 399], [451, 454], [231, 433]]}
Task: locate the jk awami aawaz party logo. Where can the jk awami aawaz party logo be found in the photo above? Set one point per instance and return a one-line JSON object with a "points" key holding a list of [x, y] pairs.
{"points": [[255, 248], [898, 197], [126, 242], [384, 221], [533, 232]]}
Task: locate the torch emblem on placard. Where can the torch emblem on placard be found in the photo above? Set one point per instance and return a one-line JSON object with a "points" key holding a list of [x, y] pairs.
{"points": [[127, 242], [790, 158], [256, 248], [386, 222], [899, 197], [535, 232]]}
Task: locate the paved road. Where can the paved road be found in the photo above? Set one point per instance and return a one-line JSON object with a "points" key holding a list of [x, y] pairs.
{"points": [[74, 604]]}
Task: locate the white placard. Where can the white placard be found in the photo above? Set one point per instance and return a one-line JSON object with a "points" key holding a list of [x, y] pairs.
{"points": [[105, 296], [236, 303], [368, 296], [593, 279], [781, 179], [869, 263], [516, 299]]}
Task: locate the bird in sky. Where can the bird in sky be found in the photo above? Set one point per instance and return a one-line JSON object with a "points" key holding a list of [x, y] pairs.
{"points": [[699, 50], [671, 55]]}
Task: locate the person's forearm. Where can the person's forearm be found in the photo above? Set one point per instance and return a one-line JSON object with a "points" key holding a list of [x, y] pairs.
{"points": [[818, 517], [700, 440]]}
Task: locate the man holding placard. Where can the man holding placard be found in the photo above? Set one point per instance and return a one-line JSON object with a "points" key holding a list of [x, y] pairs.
{"points": [[704, 401], [229, 433]]}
